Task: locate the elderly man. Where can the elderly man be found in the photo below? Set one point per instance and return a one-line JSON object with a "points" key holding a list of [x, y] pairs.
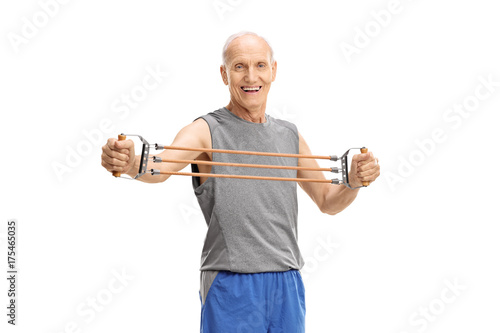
{"points": [[250, 278]]}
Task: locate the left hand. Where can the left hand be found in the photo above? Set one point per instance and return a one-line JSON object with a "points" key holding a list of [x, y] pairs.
{"points": [[364, 168]]}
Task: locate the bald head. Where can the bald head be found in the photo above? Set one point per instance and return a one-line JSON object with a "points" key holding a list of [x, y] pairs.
{"points": [[246, 40]]}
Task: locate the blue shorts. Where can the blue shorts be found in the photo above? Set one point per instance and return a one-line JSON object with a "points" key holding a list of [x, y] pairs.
{"points": [[270, 302]]}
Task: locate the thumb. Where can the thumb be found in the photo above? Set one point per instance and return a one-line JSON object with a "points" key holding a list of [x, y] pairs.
{"points": [[361, 157], [124, 144]]}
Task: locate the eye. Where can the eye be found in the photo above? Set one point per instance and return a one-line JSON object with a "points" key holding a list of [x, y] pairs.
{"points": [[239, 66], [261, 65]]}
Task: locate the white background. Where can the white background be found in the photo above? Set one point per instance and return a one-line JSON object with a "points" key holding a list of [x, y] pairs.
{"points": [[431, 217]]}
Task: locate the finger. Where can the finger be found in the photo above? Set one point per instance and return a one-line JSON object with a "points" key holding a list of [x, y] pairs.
{"points": [[111, 143], [110, 167], [119, 154], [366, 165], [367, 157], [369, 174], [369, 168], [115, 145], [114, 161], [369, 178]]}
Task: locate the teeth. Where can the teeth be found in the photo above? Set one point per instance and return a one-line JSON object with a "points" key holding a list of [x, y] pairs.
{"points": [[251, 88]]}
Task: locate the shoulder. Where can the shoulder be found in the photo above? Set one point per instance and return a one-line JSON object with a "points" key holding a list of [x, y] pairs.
{"points": [[196, 133], [285, 125], [211, 119], [198, 127]]}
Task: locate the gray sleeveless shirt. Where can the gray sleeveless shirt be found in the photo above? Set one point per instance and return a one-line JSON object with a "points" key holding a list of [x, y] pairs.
{"points": [[252, 224]]}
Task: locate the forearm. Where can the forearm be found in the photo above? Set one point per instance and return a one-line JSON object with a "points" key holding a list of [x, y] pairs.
{"points": [[332, 199], [147, 177], [337, 198]]}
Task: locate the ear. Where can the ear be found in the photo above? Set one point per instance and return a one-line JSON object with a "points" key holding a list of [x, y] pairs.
{"points": [[274, 68], [223, 73]]}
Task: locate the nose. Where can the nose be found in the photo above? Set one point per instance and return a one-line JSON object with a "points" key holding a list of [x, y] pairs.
{"points": [[251, 75]]}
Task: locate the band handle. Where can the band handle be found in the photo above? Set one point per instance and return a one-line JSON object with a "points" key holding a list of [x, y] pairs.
{"points": [[364, 151], [121, 137]]}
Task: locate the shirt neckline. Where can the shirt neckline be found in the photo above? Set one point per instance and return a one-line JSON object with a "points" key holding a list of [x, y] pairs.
{"points": [[268, 119]]}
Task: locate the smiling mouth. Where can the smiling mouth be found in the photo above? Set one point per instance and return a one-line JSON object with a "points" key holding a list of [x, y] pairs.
{"points": [[251, 90]]}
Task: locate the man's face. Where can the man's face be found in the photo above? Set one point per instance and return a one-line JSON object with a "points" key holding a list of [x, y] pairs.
{"points": [[249, 72]]}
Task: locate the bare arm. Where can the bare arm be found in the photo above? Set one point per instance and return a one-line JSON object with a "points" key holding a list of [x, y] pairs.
{"points": [[120, 155], [332, 199]]}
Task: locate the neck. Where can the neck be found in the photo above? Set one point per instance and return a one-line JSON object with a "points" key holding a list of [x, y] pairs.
{"points": [[257, 115]]}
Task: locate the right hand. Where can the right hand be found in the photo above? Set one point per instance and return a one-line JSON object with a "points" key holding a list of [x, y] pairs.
{"points": [[118, 155]]}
